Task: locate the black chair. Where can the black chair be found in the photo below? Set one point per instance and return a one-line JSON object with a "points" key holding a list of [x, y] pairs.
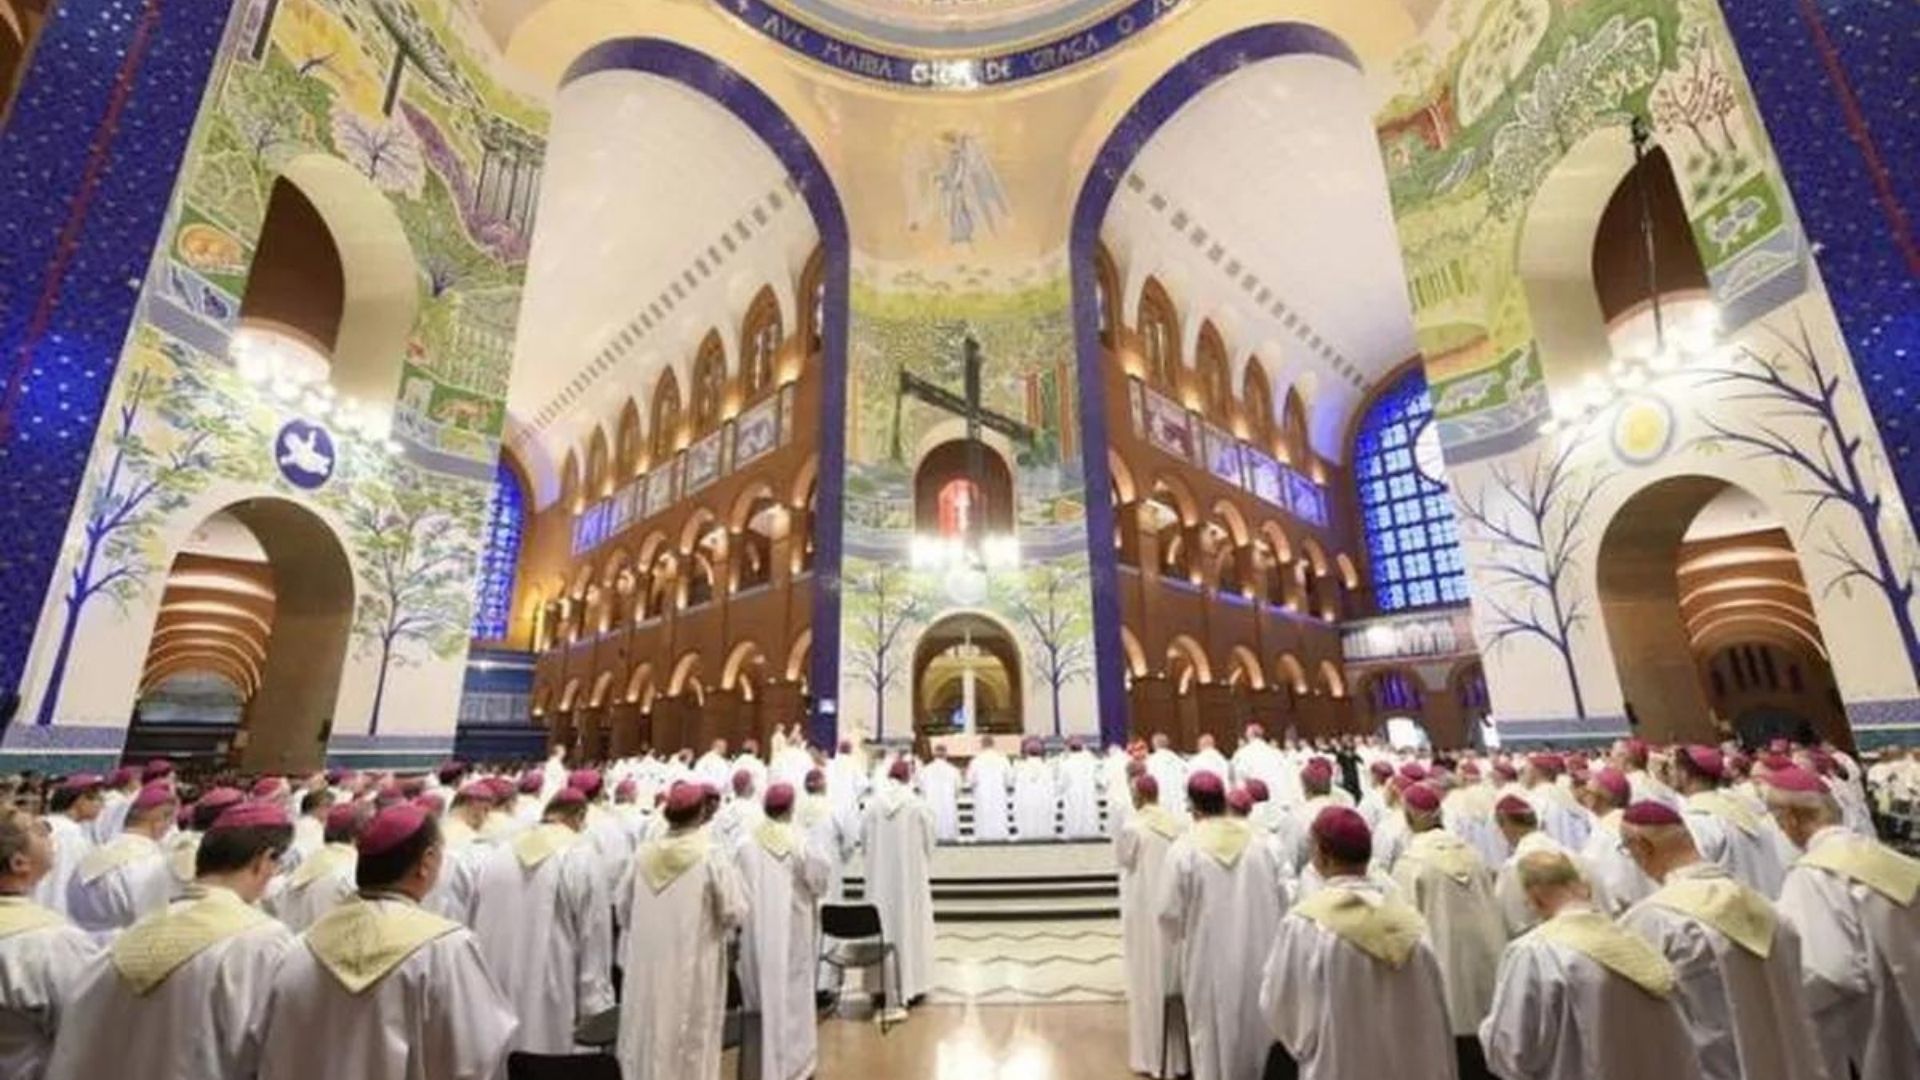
{"points": [[562, 1066], [852, 938]]}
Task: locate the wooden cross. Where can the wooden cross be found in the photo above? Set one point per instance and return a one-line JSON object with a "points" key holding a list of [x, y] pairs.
{"points": [[967, 405]]}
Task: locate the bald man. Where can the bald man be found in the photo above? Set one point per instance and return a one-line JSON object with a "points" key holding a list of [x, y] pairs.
{"points": [[1737, 963]]}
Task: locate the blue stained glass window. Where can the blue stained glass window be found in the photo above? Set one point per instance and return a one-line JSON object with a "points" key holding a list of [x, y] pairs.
{"points": [[506, 518], [1412, 544]]}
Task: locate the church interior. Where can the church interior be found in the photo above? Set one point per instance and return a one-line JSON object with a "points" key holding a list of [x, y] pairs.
{"points": [[392, 381]]}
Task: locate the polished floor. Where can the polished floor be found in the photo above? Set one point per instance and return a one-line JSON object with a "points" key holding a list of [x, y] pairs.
{"points": [[1028, 963], [964, 1042]]}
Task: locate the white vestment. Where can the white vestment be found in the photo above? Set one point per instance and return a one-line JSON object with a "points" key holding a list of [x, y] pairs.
{"points": [[317, 886], [846, 783], [113, 816], [714, 769], [1746, 843], [1557, 1014], [784, 877], [987, 777], [462, 857], [1117, 789], [1746, 1013], [1211, 760], [1258, 760], [137, 884], [1507, 889], [1079, 776], [939, 784], [435, 1014], [201, 1022], [1443, 878], [71, 843], [1141, 853], [834, 836], [675, 996], [1034, 800], [1318, 985], [898, 836], [545, 925], [1624, 883], [1860, 964], [41, 959], [1215, 910], [1169, 770]]}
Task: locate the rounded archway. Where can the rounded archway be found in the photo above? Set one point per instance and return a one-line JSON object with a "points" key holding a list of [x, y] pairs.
{"points": [[1714, 633], [967, 676], [251, 637], [963, 489]]}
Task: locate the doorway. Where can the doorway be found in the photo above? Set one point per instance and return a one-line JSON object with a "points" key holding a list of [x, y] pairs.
{"points": [[247, 651], [957, 652], [1713, 631]]}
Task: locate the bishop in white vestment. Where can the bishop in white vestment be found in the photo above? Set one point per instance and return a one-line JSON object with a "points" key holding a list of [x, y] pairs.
{"points": [[1352, 990], [940, 785], [1079, 777], [382, 988], [988, 777], [1035, 798], [545, 925], [1856, 905], [1579, 997], [325, 878], [1140, 851], [1221, 893], [182, 994], [126, 878], [683, 899], [41, 954], [1444, 879], [784, 877], [75, 805], [1736, 964], [898, 837]]}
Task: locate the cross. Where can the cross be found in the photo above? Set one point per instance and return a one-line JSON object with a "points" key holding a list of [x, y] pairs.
{"points": [[967, 405]]}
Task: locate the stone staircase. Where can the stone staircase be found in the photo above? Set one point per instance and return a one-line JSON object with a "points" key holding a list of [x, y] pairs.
{"points": [[1045, 881]]}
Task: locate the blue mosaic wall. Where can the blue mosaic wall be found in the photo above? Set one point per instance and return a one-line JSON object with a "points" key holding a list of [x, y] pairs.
{"points": [[1835, 81], [90, 153]]}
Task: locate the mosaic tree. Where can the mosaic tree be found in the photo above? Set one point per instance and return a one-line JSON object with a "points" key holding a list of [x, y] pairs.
{"points": [[1533, 523], [1050, 602], [881, 605], [412, 542], [154, 471], [1793, 382]]}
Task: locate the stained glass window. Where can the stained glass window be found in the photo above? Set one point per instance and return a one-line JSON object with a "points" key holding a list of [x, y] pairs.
{"points": [[506, 517], [1412, 539]]}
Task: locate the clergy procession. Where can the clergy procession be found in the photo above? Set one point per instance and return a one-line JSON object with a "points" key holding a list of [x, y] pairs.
{"points": [[1338, 912]]}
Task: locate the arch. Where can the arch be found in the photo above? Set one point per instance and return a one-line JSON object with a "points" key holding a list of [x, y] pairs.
{"points": [[813, 294], [949, 500], [1296, 445], [570, 483], [640, 688], [1331, 680], [1136, 656], [707, 400], [1158, 328], [1349, 574], [753, 499], [700, 529], [272, 602], [1315, 556], [601, 685], [1256, 396], [739, 659], [379, 276], [1106, 278], [1291, 673], [1414, 558], [1236, 523], [628, 450], [568, 695], [797, 656], [664, 432], [599, 476], [1277, 536], [760, 340], [1180, 496], [1210, 370], [1246, 666], [1185, 648], [685, 670], [962, 641]]}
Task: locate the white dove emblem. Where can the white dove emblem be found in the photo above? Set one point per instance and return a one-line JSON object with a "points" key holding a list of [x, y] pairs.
{"points": [[300, 451]]}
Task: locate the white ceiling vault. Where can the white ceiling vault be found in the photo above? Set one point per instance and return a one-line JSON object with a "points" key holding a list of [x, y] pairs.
{"points": [[661, 216], [1262, 206]]}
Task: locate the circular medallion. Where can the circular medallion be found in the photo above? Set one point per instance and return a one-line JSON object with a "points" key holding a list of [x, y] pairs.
{"points": [[304, 453], [1427, 456], [1642, 430], [966, 585]]}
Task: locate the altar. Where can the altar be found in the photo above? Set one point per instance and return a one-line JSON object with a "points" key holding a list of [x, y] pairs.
{"points": [[961, 746]]}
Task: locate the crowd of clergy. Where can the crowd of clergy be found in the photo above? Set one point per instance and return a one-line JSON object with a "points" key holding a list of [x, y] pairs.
{"points": [[1684, 912], [1327, 912], [431, 927]]}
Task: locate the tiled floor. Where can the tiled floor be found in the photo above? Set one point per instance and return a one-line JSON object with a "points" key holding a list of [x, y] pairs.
{"points": [[956, 1042], [1009, 963]]}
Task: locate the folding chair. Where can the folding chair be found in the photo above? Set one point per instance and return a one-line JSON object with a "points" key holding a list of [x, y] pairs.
{"points": [[521, 1066], [1173, 1008], [852, 937]]}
